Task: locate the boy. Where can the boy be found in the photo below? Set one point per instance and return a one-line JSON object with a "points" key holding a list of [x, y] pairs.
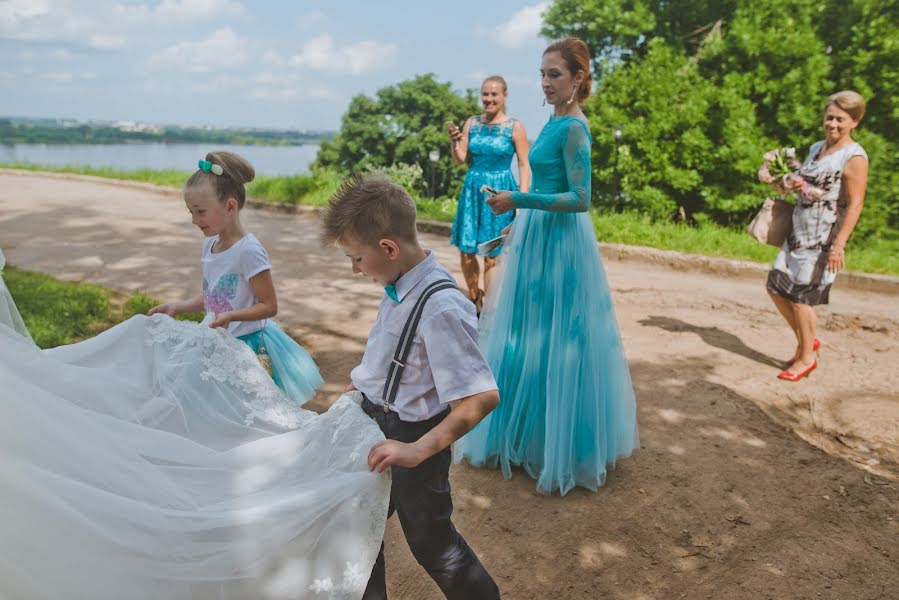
{"points": [[421, 355]]}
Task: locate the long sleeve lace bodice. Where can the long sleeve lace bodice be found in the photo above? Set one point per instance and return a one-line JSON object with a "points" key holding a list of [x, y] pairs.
{"points": [[560, 163]]}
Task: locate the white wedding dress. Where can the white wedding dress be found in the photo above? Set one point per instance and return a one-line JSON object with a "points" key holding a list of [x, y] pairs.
{"points": [[158, 460]]}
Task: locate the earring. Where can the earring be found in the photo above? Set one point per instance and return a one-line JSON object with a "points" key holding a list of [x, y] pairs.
{"points": [[573, 92], [544, 101]]}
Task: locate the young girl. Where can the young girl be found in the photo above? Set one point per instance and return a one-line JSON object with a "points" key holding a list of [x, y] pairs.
{"points": [[237, 277]]}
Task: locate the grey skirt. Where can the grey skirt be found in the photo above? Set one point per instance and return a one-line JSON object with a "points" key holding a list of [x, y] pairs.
{"points": [[801, 275]]}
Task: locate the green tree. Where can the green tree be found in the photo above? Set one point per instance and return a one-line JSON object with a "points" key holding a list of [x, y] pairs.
{"points": [[702, 89], [663, 153], [617, 30], [402, 124]]}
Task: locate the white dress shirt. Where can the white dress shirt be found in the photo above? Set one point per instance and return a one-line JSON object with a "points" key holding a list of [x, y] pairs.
{"points": [[444, 363]]}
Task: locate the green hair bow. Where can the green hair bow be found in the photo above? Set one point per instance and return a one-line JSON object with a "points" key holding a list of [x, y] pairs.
{"points": [[209, 167]]}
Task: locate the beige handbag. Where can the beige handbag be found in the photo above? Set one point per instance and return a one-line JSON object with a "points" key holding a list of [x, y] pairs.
{"points": [[773, 222]]}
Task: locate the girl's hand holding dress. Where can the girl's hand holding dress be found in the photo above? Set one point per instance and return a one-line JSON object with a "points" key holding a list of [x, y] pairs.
{"points": [[169, 309], [221, 320]]}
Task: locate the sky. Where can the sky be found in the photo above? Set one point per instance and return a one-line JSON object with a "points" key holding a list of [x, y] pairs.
{"points": [[257, 63]]}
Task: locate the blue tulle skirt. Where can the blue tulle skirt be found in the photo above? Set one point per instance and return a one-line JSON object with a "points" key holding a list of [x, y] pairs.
{"points": [[293, 370], [567, 409], [475, 222]]}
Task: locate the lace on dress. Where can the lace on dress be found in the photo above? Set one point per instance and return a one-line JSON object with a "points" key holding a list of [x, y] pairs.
{"points": [[573, 174]]}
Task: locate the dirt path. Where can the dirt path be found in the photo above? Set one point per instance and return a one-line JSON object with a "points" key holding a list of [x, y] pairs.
{"points": [[725, 498]]}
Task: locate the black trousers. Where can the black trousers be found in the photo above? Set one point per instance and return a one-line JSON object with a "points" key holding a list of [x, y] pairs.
{"points": [[421, 498]]}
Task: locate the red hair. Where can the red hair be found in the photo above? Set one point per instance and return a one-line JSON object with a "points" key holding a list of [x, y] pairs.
{"points": [[576, 55]]}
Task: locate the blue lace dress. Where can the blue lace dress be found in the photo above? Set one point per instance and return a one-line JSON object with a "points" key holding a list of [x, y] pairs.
{"points": [[491, 149], [567, 409]]}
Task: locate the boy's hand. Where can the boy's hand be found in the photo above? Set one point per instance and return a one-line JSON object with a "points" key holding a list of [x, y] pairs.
{"points": [[349, 388], [165, 309], [391, 452], [221, 320]]}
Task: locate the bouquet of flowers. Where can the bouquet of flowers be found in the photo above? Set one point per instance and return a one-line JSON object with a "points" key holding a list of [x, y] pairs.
{"points": [[781, 169]]}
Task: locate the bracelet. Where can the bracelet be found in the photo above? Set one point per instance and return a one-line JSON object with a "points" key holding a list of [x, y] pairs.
{"points": [[835, 250]]}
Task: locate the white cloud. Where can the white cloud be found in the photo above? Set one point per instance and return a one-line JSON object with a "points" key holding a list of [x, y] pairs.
{"points": [[61, 54], [221, 83], [318, 92], [59, 76], [67, 76], [273, 58], [521, 28], [311, 18], [14, 12], [320, 53], [281, 85], [178, 12], [106, 42], [63, 22], [221, 51], [198, 10]]}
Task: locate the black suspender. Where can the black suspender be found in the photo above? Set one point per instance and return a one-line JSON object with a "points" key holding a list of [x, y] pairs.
{"points": [[395, 372]]}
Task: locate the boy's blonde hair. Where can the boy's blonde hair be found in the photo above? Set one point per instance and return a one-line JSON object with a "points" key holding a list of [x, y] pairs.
{"points": [[368, 208]]}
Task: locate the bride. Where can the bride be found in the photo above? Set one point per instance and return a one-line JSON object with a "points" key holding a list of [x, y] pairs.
{"points": [[158, 460]]}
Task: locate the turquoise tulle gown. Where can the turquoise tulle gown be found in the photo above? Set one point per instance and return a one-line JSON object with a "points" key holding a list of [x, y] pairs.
{"points": [[491, 148], [567, 409]]}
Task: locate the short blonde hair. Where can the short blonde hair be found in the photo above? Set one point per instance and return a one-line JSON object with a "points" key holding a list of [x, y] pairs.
{"points": [[851, 102], [368, 208]]}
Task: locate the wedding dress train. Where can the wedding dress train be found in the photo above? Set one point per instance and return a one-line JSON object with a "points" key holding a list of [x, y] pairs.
{"points": [[158, 460]]}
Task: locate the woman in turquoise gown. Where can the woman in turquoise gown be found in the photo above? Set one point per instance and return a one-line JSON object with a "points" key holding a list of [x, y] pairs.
{"points": [[567, 409], [491, 139]]}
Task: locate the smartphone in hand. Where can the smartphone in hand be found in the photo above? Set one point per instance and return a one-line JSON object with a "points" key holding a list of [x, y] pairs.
{"points": [[486, 189]]}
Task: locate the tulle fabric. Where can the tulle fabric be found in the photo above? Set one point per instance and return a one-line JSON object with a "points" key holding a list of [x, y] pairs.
{"points": [[293, 370], [9, 314], [567, 409], [159, 460]]}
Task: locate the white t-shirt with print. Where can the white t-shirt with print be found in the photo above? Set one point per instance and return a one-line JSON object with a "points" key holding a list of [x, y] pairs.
{"points": [[226, 279]]}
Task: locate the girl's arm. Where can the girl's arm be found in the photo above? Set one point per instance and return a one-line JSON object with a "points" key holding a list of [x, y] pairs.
{"points": [[459, 148], [266, 305], [855, 181], [520, 139], [172, 309]]}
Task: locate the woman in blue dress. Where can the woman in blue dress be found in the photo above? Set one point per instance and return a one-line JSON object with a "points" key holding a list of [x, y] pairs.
{"points": [[491, 139], [567, 409]]}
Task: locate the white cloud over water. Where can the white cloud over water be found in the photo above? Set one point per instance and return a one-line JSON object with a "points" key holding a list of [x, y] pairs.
{"points": [[321, 53], [223, 50]]}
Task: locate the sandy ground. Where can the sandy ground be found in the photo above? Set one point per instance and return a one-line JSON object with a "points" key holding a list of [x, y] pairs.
{"points": [[744, 486]]}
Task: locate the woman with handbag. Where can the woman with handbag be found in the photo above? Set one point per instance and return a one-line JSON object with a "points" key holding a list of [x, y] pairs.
{"points": [[813, 252]]}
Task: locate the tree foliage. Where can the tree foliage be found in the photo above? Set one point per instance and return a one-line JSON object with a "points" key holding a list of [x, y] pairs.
{"points": [[702, 89], [402, 124]]}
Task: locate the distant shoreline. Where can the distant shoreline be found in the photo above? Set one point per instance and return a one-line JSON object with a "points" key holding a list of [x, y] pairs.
{"points": [[143, 142], [63, 132]]}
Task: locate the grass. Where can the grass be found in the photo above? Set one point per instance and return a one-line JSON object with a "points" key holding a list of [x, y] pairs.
{"points": [[171, 177], [880, 255], [877, 255], [60, 312]]}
